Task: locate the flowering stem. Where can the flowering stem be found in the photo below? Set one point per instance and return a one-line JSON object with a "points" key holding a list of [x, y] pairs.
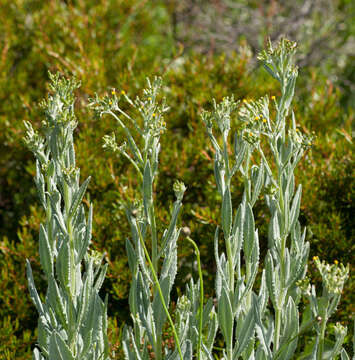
{"points": [[321, 337], [197, 252], [177, 342], [154, 238]]}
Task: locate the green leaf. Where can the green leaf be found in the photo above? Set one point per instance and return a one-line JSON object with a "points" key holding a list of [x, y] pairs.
{"points": [[147, 182], [237, 232], [87, 238], [101, 278], [271, 72], [295, 208], [225, 317], [57, 302], [87, 341], [43, 335], [217, 174], [344, 355], [172, 226], [258, 183], [249, 232], [85, 296], [45, 251], [132, 257], [58, 349], [63, 266], [260, 328], [78, 197], [207, 352], [39, 181], [245, 334], [227, 213], [290, 330], [239, 152], [60, 221], [158, 309], [270, 278], [37, 355], [212, 329], [33, 292]]}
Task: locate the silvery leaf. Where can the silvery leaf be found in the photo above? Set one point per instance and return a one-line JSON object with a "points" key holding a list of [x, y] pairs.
{"points": [[45, 251], [225, 317], [227, 212], [78, 197]]}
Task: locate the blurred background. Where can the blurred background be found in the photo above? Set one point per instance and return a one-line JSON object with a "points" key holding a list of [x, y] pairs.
{"points": [[203, 50]]}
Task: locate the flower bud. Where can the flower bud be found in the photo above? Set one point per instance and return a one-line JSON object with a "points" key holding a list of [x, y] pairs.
{"points": [[134, 213], [186, 231]]}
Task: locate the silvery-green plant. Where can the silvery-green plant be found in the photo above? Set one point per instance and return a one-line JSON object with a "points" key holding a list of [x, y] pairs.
{"points": [[72, 318], [251, 329], [153, 273], [256, 322], [322, 307]]}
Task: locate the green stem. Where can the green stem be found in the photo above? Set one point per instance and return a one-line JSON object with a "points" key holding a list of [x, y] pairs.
{"points": [[306, 327], [197, 252], [131, 141], [277, 329], [321, 339], [154, 238], [134, 164], [177, 342], [230, 265], [247, 277], [247, 177], [72, 285], [267, 166]]}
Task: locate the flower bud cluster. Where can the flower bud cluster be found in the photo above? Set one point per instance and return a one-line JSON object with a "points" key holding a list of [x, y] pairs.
{"points": [[33, 140], [221, 114], [111, 144], [279, 61], [333, 275], [303, 140], [183, 304], [250, 136], [284, 48], [179, 189], [340, 330], [96, 256], [255, 113], [151, 110], [137, 210], [305, 286]]}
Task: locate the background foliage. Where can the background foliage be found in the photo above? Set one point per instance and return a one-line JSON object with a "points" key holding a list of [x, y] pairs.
{"points": [[118, 43]]}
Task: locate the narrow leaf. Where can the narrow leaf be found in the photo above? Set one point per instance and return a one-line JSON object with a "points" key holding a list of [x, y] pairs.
{"points": [[295, 208], [45, 251], [225, 317], [246, 334], [33, 292], [87, 238], [227, 213], [78, 197]]}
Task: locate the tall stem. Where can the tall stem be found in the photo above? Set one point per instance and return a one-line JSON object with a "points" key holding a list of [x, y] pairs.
{"points": [[197, 252], [154, 238], [321, 337], [177, 342], [277, 329]]}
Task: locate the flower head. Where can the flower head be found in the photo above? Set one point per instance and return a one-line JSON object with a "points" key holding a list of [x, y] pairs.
{"points": [[333, 276]]}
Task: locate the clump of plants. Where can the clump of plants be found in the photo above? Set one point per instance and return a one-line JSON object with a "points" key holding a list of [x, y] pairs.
{"points": [[72, 320], [256, 310]]}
